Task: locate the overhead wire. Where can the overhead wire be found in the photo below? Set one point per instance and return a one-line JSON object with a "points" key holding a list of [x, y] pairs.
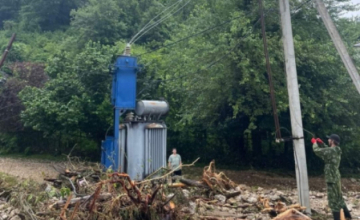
{"points": [[278, 128], [145, 26], [150, 27], [192, 35], [194, 72], [204, 31], [217, 60], [211, 28], [183, 39], [159, 22]]}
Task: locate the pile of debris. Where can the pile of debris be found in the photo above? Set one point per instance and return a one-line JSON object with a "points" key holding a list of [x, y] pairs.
{"points": [[89, 193]]}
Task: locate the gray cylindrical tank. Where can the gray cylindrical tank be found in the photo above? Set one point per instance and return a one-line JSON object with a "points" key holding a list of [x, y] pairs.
{"points": [[150, 107]]}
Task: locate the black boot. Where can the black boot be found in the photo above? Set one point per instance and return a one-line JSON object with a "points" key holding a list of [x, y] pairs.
{"points": [[346, 212], [336, 215]]}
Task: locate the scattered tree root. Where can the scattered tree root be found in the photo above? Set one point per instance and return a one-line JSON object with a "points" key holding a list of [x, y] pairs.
{"points": [[93, 194]]}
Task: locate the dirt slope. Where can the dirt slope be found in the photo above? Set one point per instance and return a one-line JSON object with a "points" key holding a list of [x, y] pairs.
{"points": [[28, 169]]}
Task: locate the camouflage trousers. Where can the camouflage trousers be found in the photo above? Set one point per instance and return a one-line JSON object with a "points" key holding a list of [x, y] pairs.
{"points": [[335, 199]]}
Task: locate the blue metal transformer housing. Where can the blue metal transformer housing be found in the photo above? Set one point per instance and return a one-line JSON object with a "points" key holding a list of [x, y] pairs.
{"points": [[123, 97], [124, 83], [138, 146], [107, 152]]}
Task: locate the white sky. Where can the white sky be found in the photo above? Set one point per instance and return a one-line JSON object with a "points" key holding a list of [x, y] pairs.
{"points": [[354, 13]]}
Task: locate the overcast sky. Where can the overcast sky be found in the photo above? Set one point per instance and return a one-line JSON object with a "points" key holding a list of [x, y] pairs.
{"points": [[355, 13]]}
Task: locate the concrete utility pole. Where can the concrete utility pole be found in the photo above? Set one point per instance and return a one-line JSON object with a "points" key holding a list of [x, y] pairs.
{"points": [[295, 109], [335, 36]]}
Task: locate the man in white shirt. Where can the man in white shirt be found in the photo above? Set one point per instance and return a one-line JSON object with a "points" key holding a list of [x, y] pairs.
{"points": [[175, 162]]}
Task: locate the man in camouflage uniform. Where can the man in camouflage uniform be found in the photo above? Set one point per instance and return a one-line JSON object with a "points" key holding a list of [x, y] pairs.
{"points": [[332, 157]]}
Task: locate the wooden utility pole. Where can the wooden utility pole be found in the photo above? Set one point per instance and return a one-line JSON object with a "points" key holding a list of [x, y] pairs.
{"points": [[295, 109], [7, 50], [340, 46]]}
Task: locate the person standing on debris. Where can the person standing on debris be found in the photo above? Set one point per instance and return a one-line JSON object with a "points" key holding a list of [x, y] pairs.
{"points": [[332, 157], [175, 162]]}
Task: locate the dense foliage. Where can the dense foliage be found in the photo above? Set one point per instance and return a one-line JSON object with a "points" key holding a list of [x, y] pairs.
{"points": [[55, 86]]}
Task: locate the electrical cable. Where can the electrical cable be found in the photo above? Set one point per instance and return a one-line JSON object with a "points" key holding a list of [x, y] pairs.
{"points": [[187, 37], [192, 35], [196, 34], [217, 60], [301, 5], [158, 22], [211, 28], [148, 24]]}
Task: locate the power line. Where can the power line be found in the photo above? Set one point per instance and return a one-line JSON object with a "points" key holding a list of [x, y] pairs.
{"points": [[211, 28], [301, 5], [204, 31], [192, 35], [148, 24], [216, 61], [158, 22]]}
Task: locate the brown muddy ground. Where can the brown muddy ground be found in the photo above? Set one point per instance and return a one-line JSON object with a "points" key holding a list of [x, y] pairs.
{"points": [[270, 180], [28, 169], [38, 169]]}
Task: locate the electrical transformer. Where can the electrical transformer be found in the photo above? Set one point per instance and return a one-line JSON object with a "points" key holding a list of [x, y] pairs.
{"points": [[142, 141]]}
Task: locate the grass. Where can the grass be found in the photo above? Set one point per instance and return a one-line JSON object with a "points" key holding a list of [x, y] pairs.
{"points": [[7, 180]]}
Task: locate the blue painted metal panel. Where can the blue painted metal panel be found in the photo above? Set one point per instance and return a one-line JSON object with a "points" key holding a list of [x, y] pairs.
{"points": [[124, 83], [116, 138], [107, 153]]}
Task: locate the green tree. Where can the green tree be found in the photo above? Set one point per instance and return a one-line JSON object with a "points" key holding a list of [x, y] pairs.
{"points": [[8, 10], [77, 99], [99, 21], [47, 15], [218, 82]]}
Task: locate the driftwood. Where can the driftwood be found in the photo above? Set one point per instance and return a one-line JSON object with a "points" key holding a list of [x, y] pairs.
{"points": [[277, 208], [169, 173], [291, 214], [243, 206], [117, 195], [56, 182], [58, 204], [232, 194], [177, 185], [218, 182], [193, 183], [221, 215]]}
